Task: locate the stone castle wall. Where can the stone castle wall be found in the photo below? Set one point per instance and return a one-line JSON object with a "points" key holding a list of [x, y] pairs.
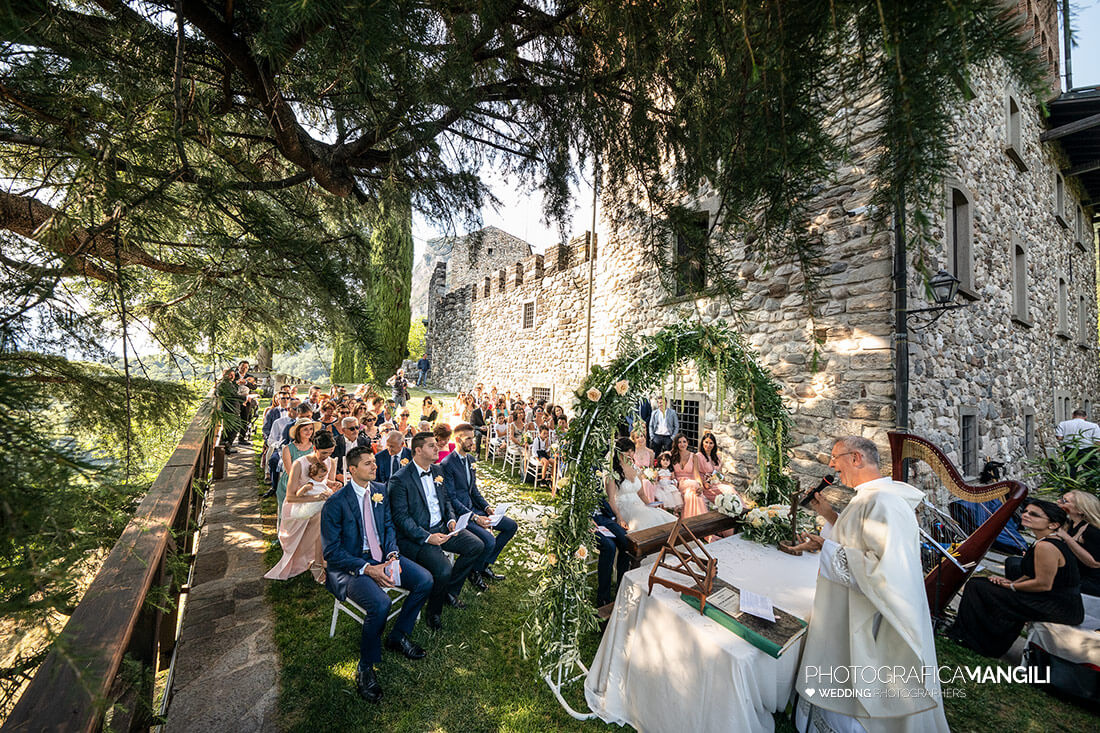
{"points": [[466, 259], [980, 357], [973, 359]]}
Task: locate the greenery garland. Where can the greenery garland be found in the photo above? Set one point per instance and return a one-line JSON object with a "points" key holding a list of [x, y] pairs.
{"points": [[561, 608]]}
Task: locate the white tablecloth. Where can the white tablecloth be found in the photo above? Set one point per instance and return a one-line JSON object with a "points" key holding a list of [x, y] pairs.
{"points": [[662, 666]]}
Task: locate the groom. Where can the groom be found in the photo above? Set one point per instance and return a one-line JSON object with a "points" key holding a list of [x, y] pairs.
{"points": [[424, 519], [360, 546]]}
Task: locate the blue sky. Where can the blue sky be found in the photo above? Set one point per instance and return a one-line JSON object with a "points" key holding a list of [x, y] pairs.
{"points": [[1086, 55], [521, 212]]}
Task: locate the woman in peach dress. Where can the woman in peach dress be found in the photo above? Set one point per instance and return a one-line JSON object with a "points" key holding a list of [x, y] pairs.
{"points": [[300, 523], [686, 471], [643, 458]]}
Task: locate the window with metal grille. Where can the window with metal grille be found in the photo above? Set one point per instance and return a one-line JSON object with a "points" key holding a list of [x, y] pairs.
{"points": [[487, 281], [969, 441], [540, 393], [529, 314], [688, 413]]}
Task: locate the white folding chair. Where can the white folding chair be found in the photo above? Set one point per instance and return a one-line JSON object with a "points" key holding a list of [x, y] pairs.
{"points": [[530, 466], [513, 458], [353, 609]]}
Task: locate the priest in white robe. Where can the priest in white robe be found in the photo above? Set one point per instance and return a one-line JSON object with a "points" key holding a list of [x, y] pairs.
{"points": [[869, 662]]}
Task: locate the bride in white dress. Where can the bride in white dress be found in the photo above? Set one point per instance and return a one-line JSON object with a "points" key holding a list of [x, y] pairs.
{"points": [[626, 497]]}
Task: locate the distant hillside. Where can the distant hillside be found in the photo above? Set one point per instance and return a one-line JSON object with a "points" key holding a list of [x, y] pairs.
{"points": [[437, 250]]}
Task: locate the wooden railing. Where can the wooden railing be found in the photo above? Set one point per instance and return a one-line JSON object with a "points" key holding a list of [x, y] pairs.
{"points": [[84, 677]]}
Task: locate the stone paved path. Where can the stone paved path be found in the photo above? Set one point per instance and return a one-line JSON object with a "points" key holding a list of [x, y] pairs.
{"points": [[227, 668]]}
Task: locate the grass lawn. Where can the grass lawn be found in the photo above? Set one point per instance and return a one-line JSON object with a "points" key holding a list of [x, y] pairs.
{"points": [[475, 677]]}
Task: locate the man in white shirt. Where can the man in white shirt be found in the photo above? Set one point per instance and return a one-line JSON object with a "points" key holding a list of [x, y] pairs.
{"points": [[1078, 438], [425, 522], [360, 549], [663, 424]]}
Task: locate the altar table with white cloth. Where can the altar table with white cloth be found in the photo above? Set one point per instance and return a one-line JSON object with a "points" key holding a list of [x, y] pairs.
{"points": [[662, 666]]}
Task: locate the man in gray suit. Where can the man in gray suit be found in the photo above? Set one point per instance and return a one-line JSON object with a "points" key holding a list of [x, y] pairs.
{"points": [[663, 424]]}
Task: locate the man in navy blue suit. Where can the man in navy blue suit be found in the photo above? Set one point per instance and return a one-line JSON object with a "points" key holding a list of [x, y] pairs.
{"points": [[360, 547], [425, 523], [393, 457], [609, 548], [460, 479], [348, 440]]}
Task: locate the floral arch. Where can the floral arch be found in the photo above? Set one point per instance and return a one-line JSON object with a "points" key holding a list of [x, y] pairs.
{"points": [[562, 612]]}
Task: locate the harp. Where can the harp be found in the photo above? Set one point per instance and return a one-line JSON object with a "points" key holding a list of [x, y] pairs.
{"points": [[954, 561]]}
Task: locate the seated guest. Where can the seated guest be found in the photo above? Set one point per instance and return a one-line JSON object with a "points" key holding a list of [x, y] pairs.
{"points": [[349, 438], [540, 451], [993, 611], [378, 408], [328, 418], [360, 546], [613, 551], [481, 420], [710, 463], [428, 411], [460, 479], [442, 433], [1082, 536], [424, 520], [393, 457], [686, 470], [516, 432], [311, 480], [299, 442], [499, 433], [644, 458], [403, 425], [369, 428]]}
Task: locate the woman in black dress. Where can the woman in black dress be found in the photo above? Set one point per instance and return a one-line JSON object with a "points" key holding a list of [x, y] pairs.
{"points": [[993, 611], [1082, 536]]}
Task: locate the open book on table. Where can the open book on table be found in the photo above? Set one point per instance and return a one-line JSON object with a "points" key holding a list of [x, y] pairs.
{"points": [[772, 638]]}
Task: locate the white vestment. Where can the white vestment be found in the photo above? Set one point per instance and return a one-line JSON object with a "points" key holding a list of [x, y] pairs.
{"points": [[869, 651]]}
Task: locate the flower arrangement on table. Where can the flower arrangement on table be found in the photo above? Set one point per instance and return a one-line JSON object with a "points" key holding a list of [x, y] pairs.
{"points": [[767, 525]]}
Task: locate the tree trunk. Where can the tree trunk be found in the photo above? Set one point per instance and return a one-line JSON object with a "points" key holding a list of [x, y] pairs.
{"points": [[263, 357]]}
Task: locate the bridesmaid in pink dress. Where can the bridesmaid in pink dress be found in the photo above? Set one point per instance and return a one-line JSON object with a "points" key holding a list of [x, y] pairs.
{"points": [[643, 458], [686, 470], [300, 526], [708, 461]]}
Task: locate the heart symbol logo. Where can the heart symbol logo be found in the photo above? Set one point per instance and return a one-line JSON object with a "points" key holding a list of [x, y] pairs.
{"points": [[810, 692]]}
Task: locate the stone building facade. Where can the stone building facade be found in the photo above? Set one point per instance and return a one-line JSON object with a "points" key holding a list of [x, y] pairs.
{"points": [[988, 381], [467, 258]]}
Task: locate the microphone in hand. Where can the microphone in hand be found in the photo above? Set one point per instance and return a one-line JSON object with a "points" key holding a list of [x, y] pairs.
{"points": [[825, 483]]}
